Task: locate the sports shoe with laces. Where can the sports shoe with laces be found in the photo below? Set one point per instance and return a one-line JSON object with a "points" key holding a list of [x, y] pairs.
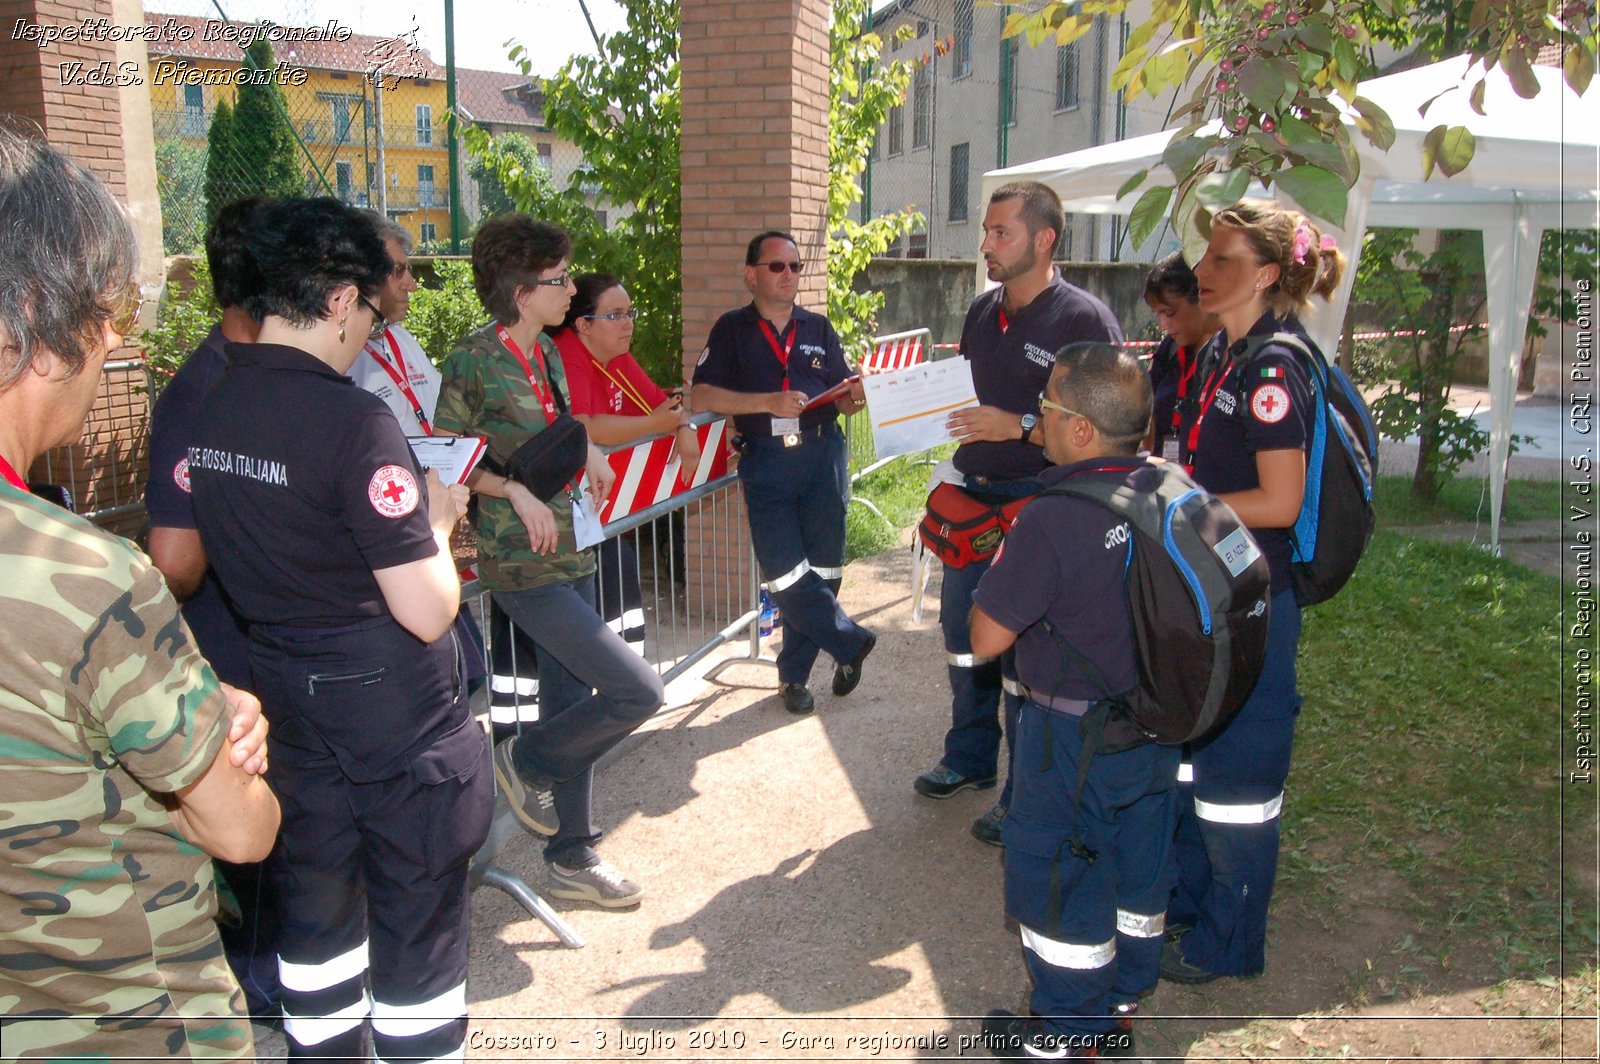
{"points": [[599, 883], [534, 806], [987, 827], [1008, 1036], [1175, 968], [941, 782]]}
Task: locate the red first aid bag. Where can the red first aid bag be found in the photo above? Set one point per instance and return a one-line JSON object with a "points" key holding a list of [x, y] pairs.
{"points": [[960, 529]]}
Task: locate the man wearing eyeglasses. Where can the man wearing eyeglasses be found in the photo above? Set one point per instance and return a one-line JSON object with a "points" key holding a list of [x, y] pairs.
{"points": [[761, 365], [1010, 336], [393, 365], [1091, 915]]}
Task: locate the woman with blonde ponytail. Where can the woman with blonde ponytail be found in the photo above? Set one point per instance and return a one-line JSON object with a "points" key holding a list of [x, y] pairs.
{"points": [[1245, 439]]}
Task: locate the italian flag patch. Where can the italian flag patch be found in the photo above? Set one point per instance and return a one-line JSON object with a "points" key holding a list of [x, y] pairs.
{"points": [[1272, 371]]}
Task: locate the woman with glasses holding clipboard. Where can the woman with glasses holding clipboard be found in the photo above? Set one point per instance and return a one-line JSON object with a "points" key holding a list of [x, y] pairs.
{"points": [[505, 382], [617, 402]]}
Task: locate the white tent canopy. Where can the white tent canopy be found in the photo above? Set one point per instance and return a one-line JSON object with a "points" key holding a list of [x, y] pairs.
{"points": [[1535, 168]]}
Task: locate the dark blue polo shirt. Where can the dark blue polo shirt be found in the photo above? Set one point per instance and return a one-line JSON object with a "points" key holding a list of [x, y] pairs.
{"points": [[1262, 406], [739, 357], [1011, 366], [1066, 560], [218, 630], [303, 485]]}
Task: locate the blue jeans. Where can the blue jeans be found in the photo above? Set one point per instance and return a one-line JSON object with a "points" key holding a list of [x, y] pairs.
{"points": [[593, 692]]}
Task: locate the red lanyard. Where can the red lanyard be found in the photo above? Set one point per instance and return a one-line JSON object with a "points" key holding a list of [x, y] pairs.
{"points": [[1005, 322], [1208, 395], [782, 353], [546, 396], [401, 378], [11, 476], [1185, 377]]}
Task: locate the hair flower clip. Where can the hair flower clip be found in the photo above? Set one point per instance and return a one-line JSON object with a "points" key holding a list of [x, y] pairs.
{"points": [[1302, 243], [1328, 243]]}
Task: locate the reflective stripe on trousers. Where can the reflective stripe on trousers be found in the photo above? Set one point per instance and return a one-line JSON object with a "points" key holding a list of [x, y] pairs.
{"points": [[790, 578], [1068, 954], [1141, 925], [967, 661], [1247, 813]]}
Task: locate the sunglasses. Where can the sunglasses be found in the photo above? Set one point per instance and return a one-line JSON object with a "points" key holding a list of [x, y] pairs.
{"points": [[616, 315], [378, 322], [125, 311], [779, 267]]}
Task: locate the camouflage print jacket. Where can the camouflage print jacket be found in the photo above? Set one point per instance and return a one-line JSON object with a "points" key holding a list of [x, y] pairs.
{"points": [[106, 911], [486, 393]]}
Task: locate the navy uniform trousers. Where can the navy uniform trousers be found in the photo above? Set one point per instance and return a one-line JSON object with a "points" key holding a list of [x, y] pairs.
{"points": [[795, 498], [1091, 930], [1229, 814], [384, 781], [979, 687]]}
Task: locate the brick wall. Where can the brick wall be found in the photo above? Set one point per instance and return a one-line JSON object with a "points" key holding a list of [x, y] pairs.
{"points": [[85, 121]]}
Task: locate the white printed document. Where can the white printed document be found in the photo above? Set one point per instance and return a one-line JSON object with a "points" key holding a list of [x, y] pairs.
{"points": [[909, 406], [452, 457]]}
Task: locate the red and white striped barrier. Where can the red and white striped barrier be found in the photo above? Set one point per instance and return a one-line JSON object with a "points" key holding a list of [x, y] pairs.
{"points": [[647, 473], [890, 354]]}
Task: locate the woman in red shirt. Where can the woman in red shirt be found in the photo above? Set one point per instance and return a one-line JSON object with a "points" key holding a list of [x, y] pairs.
{"points": [[618, 403]]}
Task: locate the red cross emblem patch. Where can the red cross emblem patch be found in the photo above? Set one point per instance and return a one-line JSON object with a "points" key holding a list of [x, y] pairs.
{"points": [[180, 475], [1270, 403], [393, 491]]}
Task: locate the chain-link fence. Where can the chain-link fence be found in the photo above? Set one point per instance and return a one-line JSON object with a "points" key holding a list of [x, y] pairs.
{"points": [[977, 103], [335, 99]]}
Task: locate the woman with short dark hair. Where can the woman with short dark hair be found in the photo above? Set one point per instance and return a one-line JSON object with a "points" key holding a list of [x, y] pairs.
{"points": [[1173, 297], [505, 382], [332, 544]]}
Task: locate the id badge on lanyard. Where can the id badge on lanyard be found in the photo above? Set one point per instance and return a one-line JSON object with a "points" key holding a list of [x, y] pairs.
{"points": [[782, 426]]}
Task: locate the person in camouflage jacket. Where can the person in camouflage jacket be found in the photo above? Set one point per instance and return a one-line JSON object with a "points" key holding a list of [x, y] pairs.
{"points": [[505, 383], [125, 761]]}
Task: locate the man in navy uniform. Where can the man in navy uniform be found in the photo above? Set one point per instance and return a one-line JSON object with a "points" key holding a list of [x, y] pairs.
{"points": [[1010, 337], [1087, 873], [250, 937], [762, 364]]}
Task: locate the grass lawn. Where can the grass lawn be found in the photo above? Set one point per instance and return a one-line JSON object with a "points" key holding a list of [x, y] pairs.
{"points": [[1464, 499]]}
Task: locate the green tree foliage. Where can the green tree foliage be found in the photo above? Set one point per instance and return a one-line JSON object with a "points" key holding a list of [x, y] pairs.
{"points": [[187, 314], [515, 154], [224, 176], [1275, 73], [860, 94], [621, 109], [180, 186], [1419, 295], [250, 149], [445, 309]]}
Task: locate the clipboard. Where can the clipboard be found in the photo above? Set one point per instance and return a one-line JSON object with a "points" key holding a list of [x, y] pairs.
{"points": [[452, 457], [836, 392]]}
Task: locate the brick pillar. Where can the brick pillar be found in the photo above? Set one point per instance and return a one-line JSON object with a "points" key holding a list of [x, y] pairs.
{"points": [[85, 121], [753, 156]]}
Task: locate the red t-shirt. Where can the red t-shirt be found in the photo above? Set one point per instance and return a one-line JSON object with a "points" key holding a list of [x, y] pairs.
{"points": [[619, 387]]}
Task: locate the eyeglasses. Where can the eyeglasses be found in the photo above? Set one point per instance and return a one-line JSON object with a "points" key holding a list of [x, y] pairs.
{"points": [[378, 322], [631, 314], [1046, 404], [779, 267], [553, 282], [125, 313]]}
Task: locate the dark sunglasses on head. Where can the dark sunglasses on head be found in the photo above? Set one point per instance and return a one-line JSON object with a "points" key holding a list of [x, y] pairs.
{"points": [[779, 267]]}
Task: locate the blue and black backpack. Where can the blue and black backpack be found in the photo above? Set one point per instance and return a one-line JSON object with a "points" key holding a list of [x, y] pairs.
{"points": [[1337, 515]]}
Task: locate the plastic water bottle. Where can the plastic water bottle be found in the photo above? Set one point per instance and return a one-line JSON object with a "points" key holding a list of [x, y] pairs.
{"points": [[769, 613]]}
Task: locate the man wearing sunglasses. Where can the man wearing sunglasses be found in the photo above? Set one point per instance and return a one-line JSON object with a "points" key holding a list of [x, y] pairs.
{"points": [[1010, 336], [1092, 915], [761, 365]]}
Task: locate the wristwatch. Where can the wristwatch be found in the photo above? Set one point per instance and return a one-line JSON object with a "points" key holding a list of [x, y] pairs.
{"points": [[1028, 422]]}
